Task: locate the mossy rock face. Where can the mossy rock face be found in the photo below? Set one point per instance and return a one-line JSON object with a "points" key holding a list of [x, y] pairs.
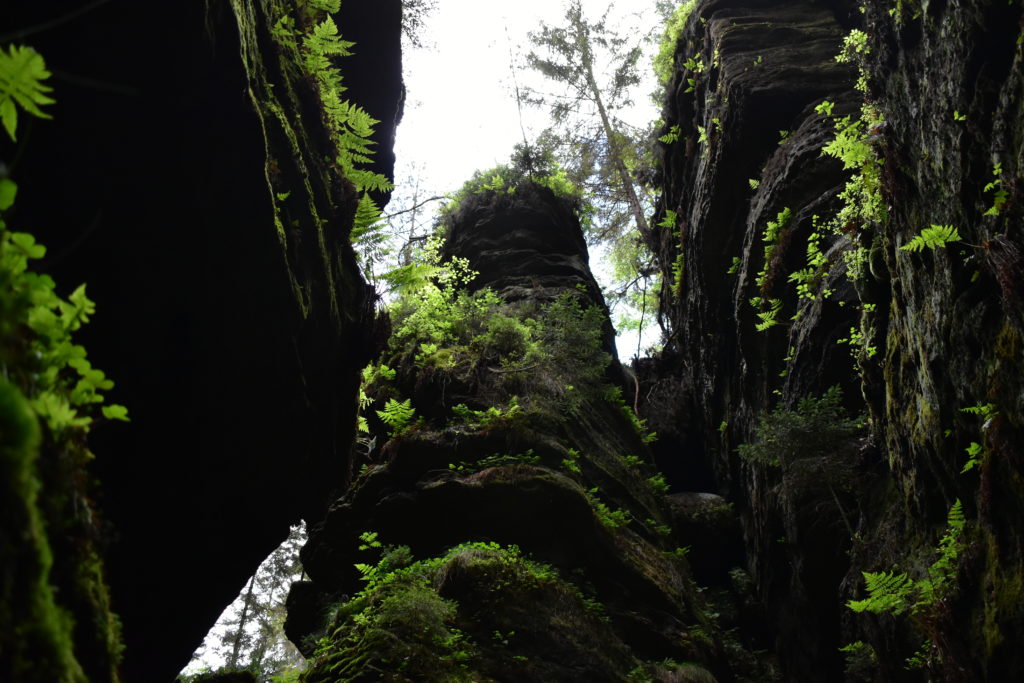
{"points": [[933, 334], [479, 613], [211, 321], [520, 436]]}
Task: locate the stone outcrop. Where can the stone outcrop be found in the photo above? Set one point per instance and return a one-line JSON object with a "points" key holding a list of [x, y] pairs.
{"points": [[556, 471], [932, 332], [234, 322]]}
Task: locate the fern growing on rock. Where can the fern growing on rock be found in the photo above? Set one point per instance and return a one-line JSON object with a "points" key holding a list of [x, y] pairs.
{"points": [[891, 593], [22, 72], [933, 238]]}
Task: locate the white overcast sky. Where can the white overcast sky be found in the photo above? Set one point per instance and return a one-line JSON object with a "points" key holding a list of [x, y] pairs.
{"points": [[461, 113]]}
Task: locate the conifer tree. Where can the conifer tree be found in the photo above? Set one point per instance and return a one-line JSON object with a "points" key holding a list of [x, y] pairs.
{"points": [[597, 70], [250, 633]]}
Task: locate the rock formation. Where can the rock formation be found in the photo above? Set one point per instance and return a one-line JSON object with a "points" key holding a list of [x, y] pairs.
{"points": [[934, 332], [524, 450], [236, 343], [840, 389]]}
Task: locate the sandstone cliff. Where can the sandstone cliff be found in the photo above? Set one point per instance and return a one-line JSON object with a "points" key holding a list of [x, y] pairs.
{"points": [[202, 208], [934, 333]]}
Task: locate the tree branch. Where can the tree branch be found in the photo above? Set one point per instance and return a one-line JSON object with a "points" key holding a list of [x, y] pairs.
{"points": [[389, 216]]}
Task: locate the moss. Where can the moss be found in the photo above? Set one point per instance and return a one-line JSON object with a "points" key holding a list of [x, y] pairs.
{"points": [[477, 612], [37, 638], [1003, 601], [1008, 342]]}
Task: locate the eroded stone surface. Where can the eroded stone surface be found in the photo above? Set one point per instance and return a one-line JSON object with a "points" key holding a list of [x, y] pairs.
{"points": [[939, 330]]}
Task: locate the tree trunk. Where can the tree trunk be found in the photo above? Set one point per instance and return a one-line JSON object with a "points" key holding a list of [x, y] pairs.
{"points": [[612, 136], [243, 619]]}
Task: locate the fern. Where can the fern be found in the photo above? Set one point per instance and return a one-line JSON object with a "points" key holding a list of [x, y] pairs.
{"points": [[891, 593], [768, 318], [975, 454], [850, 144], [986, 411], [398, 415], [888, 593], [933, 238], [350, 126], [22, 72], [942, 572], [325, 40], [368, 222], [1001, 195]]}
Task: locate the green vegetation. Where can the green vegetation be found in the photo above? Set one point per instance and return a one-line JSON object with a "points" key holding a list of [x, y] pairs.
{"points": [[671, 136], [22, 72], [49, 399], [571, 461], [592, 68], [1000, 195], [853, 144], [413, 617], [896, 594], [806, 278], [814, 448], [933, 238], [611, 519], [768, 317], [658, 483], [922, 594], [496, 460], [312, 42], [484, 419], [976, 453], [529, 164], [398, 415], [614, 396], [663, 61], [773, 234], [399, 622]]}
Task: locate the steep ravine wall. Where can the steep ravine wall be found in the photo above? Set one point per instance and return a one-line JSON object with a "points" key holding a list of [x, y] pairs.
{"points": [[205, 213], [932, 332]]}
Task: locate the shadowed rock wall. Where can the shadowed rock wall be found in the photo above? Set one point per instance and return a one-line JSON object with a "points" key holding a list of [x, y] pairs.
{"points": [[931, 332], [235, 348]]}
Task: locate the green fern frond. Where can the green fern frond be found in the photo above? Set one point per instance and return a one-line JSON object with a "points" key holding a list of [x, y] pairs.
{"points": [[768, 318], [956, 520], [349, 125], [368, 180], [943, 571], [22, 72], [397, 414], [325, 40], [934, 237], [985, 410], [368, 219], [887, 593]]}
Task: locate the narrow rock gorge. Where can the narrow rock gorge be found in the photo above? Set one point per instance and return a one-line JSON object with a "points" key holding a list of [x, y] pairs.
{"points": [[817, 477]]}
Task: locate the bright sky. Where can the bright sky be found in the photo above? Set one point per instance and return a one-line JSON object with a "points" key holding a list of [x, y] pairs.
{"points": [[461, 113]]}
